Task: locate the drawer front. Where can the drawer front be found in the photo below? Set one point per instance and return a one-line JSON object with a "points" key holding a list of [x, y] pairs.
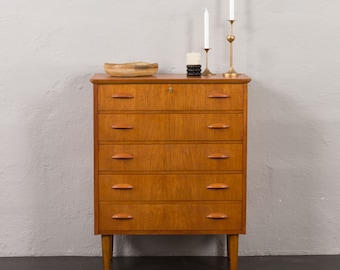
{"points": [[160, 217], [160, 157], [130, 97], [210, 187], [125, 97], [157, 127], [208, 97]]}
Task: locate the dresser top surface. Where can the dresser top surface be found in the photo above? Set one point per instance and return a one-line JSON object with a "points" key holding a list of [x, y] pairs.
{"points": [[169, 78]]}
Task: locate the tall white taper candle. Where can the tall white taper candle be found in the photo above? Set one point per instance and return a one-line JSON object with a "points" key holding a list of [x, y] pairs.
{"points": [[231, 9], [206, 29]]}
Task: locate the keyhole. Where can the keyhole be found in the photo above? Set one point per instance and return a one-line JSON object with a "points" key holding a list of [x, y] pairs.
{"points": [[170, 89]]}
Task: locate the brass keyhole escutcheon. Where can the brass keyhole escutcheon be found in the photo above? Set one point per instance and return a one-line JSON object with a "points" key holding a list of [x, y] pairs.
{"points": [[170, 89]]}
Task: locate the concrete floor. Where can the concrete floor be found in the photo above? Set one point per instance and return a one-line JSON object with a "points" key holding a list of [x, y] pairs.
{"points": [[173, 263]]}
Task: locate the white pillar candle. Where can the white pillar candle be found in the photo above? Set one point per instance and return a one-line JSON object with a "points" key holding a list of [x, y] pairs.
{"points": [[231, 9], [193, 58], [206, 29]]}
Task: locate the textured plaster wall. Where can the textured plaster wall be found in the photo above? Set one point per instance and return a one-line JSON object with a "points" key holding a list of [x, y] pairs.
{"points": [[50, 49]]}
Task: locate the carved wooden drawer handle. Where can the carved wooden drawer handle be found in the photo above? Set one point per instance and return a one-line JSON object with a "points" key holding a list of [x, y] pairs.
{"points": [[122, 186], [122, 216], [122, 126], [217, 216], [122, 156], [217, 186], [218, 95], [122, 95], [218, 126], [218, 156]]}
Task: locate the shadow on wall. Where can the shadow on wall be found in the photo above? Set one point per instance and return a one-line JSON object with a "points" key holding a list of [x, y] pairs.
{"points": [[284, 176], [169, 245]]}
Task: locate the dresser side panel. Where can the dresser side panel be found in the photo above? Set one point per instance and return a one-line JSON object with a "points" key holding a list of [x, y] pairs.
{"points": [[96, 164], [245, 151]]}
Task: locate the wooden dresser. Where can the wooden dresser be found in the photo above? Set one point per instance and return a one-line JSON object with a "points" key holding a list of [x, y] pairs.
{"points": [[170, 156]]}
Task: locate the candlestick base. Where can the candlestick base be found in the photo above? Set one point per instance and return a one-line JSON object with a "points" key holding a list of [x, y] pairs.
{"points": [[206, 71], [231, 73]]}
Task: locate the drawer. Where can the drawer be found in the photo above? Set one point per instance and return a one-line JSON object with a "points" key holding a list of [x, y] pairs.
{"points": [[130, 97], [209, 187], [172, 217], [160, 157], [124, 97], [157, 127]]}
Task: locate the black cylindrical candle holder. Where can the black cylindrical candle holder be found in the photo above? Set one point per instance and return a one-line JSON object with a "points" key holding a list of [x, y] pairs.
{"points": [[193, 70]]}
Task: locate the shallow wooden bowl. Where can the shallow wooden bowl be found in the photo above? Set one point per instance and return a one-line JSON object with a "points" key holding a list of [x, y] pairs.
{"points": [[132, 69]]}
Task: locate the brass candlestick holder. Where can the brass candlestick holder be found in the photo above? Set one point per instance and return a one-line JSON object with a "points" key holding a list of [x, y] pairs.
{"points": [[231, 72], [207, 72]]}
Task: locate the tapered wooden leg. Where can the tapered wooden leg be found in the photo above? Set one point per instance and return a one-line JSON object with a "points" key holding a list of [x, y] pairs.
{"points": [[111, 247], [228, 251], [106, 250], [233, 251]]}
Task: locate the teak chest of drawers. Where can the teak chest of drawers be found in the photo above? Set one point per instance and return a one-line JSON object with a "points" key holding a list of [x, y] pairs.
{"points": [[170, 157]]}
